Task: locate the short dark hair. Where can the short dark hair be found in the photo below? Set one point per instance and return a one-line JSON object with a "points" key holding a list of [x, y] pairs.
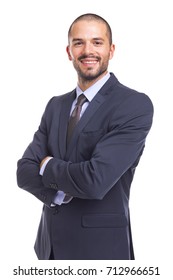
{"points": [[90, 17]]}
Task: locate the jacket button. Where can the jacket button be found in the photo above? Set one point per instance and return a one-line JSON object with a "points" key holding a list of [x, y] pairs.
{"points": [[53, 186], [56, 211]]}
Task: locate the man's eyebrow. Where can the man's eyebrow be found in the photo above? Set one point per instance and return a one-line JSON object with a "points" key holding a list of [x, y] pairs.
{"points": [[77, 39], [98, 39], [95, 38]]}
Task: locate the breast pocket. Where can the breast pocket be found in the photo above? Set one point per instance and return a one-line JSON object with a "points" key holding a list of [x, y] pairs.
{"points": [[87, 142]]}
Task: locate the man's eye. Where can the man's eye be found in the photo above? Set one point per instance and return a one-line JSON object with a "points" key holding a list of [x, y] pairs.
{"points": [[78, 43], [97, 43]]}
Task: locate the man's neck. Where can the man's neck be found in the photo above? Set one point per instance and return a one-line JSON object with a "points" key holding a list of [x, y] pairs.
{"points": [[85, 84]]}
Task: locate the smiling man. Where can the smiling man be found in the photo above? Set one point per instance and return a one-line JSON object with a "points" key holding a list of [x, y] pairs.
{"points": [[90, 49], [82, 159]]}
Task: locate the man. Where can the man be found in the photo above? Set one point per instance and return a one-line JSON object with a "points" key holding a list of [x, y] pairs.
{"points": [[82, 169]]}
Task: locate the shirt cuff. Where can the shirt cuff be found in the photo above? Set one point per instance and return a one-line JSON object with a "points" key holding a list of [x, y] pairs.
{"points": [[44, 166], [59, 198]]}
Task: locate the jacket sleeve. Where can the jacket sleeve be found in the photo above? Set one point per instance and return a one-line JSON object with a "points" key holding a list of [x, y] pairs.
{"points": [[28, 166], [114, 154]]}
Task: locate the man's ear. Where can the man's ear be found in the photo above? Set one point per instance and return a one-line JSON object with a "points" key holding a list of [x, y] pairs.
{"points": [[68, 52], [112, 50]]}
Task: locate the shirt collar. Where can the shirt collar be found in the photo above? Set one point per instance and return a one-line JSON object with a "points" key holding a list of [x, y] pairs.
{"points": [[92, 90]]}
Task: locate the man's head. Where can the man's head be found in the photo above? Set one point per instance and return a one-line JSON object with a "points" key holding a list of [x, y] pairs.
{"points": [[90, 47], [92, 17]]}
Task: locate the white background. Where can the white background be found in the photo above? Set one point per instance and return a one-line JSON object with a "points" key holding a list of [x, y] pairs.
{"points": [[34, 67]]}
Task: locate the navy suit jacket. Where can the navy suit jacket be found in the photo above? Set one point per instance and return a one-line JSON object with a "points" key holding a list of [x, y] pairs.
{"points": [[96, 169]]}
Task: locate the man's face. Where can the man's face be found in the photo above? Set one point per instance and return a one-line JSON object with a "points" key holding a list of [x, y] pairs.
{"points": [[89, 49]]}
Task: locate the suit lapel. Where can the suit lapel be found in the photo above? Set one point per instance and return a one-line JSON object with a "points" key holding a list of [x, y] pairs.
{"points": [[64, 117], [94, 105], [88, 114]]}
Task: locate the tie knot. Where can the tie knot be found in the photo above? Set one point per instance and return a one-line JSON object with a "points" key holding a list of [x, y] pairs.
{"points": [[81, 100]]}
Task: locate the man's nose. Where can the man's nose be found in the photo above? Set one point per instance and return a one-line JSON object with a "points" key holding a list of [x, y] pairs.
{"points": [[88, 48]]}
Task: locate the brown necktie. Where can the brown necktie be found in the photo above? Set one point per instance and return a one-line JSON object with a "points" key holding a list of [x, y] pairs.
{"points": [[75, 116]]}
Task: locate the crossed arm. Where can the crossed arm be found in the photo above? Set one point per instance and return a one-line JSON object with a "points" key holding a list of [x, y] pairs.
{"points": [[114, 154]]}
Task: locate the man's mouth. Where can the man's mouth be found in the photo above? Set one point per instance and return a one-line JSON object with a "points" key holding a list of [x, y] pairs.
{"points": [[89, 61]]}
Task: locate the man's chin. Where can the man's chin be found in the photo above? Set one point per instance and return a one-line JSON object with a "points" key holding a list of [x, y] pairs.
{"points": [[90, 76]]}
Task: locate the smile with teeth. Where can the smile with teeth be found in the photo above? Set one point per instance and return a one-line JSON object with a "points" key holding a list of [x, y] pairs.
{"points": [[89, 62]]}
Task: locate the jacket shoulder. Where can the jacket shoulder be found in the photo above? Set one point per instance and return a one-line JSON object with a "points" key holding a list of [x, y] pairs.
{"points": [[56, 101], [129, 95]]}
